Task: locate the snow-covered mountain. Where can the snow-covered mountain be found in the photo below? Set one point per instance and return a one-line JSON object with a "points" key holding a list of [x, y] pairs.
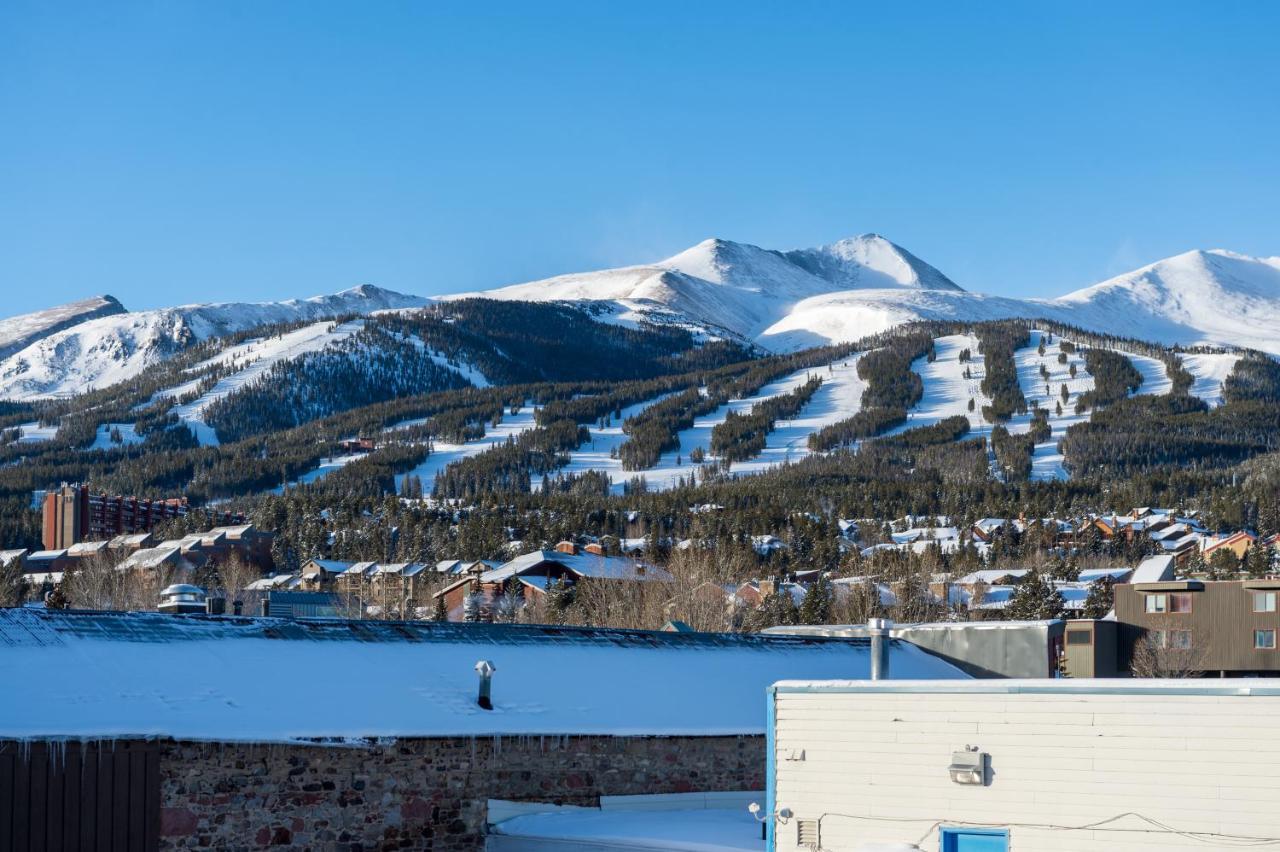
{"points": [[740, 288], [19, 332], [780, 300], [107, 349], [1216, 296], [790, 300]]}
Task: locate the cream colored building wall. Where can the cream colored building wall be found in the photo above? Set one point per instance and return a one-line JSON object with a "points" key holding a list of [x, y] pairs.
{"points": [[872, 765]]}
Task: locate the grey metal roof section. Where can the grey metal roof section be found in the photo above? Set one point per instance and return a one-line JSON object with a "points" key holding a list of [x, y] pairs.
{"points": [[47, 627]]}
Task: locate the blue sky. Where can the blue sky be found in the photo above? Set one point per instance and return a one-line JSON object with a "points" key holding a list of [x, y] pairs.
{"points": [[168, 152]]}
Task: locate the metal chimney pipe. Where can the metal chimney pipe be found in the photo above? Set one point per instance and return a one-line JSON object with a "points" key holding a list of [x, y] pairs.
{"points": [[879, 628], [485, 669]]}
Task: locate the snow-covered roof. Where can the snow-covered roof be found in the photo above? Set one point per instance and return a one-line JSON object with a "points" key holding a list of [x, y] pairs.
{"points": [[939, 534], [1153, 569], [1093, 575], [7, 556], [329, 566], [84, 548], [582, 564], [150, 557], [991, 575], [114, 674]]}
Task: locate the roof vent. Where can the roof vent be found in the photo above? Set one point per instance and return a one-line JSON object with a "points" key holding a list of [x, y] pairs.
{"points": [[182, 598], [807, 833]]}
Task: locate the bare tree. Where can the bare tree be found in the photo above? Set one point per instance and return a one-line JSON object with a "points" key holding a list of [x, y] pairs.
{"points": [[233, 576], [94, 582], [1168, 654]]}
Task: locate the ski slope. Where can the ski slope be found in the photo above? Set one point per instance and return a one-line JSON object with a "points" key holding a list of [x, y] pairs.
{"points": [[253, 358], [599, 454], [128, 435], [1047, 459], [327, 466], [34, 433], [1211, 370], [445, 453], [1155, 378], [839, 397], [946, 391]]}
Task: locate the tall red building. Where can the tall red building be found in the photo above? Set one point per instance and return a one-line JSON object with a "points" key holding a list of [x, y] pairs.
{"points": [[73, 514]]}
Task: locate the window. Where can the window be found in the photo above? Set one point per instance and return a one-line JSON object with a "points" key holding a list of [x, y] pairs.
{"points": [[1180, 639], [1264, 640], [1157, 638], [1079, 637], [1180, 603], [1157, 603], [1264, 601]]}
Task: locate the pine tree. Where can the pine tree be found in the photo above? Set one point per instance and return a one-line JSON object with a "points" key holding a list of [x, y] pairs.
{"points": [[1257, 561], [816, 606], [1035, 599], [1101, 598]]}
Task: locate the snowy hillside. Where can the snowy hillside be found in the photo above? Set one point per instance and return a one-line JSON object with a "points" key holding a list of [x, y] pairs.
{"points": [[110, 349], [741, 288], [17, 333], [1211, 297], [785, 301]]}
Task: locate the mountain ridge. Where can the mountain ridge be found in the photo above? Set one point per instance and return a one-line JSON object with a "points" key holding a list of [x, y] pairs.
{"points": [[788, 300], [780, 301]]}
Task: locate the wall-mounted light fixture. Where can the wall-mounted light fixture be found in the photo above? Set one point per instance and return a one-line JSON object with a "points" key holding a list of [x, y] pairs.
{"points": [[968, 766]]}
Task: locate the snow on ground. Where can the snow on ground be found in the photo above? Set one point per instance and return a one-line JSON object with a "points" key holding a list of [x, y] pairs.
{"points": [[110, 674], [446, 453], [946, 391], [465, 369], [710, 830], [598, 454], [327, 466], [1047, 461], [254, 358], [838, 398], [128, 435], [34, 433], [1211, 370], [1155, 378]]}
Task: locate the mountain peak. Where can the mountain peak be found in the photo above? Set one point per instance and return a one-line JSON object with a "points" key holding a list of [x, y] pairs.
{"points": [[870, 261]]}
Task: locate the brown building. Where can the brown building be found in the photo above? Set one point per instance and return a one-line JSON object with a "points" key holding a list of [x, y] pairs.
{"points": [[1227, 628], [73, 514]]}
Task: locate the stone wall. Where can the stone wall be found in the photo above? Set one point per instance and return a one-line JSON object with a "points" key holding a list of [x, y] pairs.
{"points": [[423, 793]]}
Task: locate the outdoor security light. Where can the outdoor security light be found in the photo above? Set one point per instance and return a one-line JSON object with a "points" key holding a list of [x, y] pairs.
{"points": [[968, 766]]}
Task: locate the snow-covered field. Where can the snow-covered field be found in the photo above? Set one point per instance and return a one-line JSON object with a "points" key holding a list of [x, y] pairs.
{"points": [[1047, 460], [34, 433], [1210, 370], [255, 358], [839, 397], [446, 453], [598, 454], [128, 435]]}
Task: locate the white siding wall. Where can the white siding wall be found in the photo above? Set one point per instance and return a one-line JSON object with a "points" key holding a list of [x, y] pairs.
{"points": [[1194, 762]]}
